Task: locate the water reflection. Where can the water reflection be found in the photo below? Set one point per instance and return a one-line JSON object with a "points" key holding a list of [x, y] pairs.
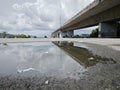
{"points": [[81, 54], [3, 44], [38, 58]]}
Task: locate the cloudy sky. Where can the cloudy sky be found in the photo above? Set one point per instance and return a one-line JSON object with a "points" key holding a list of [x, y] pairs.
{"points": [[37, 17]]}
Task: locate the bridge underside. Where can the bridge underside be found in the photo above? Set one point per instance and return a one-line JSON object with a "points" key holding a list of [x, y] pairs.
{"points": [[63, 34], [109, 15]]}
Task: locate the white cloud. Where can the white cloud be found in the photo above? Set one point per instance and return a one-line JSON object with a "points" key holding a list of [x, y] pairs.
{"points": [[34, 16]]}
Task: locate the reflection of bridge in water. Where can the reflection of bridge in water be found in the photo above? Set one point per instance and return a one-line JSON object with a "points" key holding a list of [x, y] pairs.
{"points": [[81, 55]]}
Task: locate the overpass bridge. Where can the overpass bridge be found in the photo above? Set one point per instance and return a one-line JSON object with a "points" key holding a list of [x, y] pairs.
{"points": [[105, 13]]}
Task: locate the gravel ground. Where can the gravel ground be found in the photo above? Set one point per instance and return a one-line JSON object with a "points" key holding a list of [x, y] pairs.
{"points": [[103, 76]]}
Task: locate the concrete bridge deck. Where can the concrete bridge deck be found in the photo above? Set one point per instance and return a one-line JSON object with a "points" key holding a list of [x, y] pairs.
{"points": [[105, 13], [96, 12]]}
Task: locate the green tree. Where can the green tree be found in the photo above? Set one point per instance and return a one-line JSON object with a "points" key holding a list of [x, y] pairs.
{"points": [[3, 34], [95, 33], [29, 36]]}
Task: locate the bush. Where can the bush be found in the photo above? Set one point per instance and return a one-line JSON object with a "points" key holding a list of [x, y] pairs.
{"points": [[95, 33], [22, 36], [11, 36]]}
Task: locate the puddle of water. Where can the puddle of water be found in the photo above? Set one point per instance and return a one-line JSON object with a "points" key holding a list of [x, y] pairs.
{"points": [[58, 65], [58, 59], [42, 58]]}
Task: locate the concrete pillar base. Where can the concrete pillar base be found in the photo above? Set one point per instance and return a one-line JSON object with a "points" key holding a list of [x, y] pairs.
{"points": [[108, 30]]}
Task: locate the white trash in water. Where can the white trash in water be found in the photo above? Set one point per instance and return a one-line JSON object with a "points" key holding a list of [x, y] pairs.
{"points": [[46, 82], [91, 58], [25, 70]]}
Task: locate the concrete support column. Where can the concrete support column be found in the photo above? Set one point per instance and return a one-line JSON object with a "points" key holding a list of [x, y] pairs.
{"points": [[70, 33], [108, 30], [58, 35], [62, 34]]}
